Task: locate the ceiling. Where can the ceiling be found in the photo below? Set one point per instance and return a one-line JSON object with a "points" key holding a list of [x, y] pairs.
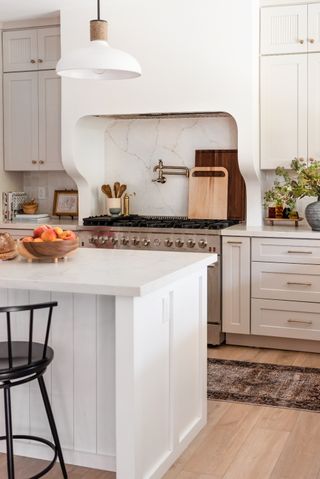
{"points": [[13, 10]]}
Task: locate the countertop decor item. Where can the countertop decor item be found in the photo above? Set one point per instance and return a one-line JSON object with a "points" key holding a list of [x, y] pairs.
{"points": [[208, 193], [65, 203], [8, 249], [51, 250], [284, 220], [98, 61], [30, 207], [236, 185]]}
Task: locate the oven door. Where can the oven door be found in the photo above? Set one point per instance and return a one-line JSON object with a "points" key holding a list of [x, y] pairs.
{"points": [[215, 335]]}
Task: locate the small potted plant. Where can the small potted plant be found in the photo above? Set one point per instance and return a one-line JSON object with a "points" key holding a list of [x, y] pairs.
{"points": [[281, 199]]}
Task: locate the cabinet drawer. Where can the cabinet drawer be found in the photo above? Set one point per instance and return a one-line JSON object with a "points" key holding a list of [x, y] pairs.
{"points": [[286, 250], [285, 319], [292, 282]]}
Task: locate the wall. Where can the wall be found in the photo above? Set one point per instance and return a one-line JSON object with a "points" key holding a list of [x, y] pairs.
{"points": [[196, 56], [8, 181], [133, 148], [50, 181]]}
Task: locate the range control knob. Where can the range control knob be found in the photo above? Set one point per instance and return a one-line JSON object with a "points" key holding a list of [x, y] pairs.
{"points": [[114, 241], [145, 242], [202, 243], [125, 241], [93, 239], [168, 242], [135, 241], [179, 243], [191, 243], [157, 242], [102, 240]]}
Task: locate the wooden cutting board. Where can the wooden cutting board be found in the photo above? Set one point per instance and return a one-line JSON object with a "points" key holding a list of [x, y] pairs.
{"points": [[237, 188], [208, 193]]}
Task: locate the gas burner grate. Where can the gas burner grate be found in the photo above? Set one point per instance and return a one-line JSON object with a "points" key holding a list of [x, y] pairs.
{"points": [[179, 222]]}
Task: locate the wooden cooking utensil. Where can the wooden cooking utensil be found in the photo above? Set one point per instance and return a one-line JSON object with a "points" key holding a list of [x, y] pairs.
{"points": [[116, 188], [122, 190], [208, 193], [106, 189]]}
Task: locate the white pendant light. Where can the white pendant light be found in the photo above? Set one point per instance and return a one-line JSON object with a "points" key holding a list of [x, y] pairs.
{"points": [[98, 61]]}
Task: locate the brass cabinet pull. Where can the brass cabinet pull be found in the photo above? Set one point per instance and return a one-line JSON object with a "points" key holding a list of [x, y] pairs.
{"points": [[234, 242], [32, 61], [34, 162], [301, 41], [290, 283], [299, 252], [300, 321], [41, 162], [311, 40], [40, 60]]}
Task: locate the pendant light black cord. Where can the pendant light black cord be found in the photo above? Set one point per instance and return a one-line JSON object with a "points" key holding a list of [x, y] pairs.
{"points": [[98, 9]]}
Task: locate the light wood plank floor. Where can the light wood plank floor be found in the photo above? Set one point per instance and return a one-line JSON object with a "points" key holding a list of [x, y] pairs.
{"points": [[240, 441]]}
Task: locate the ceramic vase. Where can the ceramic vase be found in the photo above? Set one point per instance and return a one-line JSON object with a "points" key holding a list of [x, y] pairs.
{"points": [[313, 215]]}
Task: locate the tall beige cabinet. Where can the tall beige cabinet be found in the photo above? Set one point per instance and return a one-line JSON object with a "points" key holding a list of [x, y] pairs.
{"points": [[290, 86], [31, 100]]}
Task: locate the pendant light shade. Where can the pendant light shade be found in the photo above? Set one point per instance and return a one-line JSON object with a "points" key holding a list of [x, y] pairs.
{"points": [[98, 61]]}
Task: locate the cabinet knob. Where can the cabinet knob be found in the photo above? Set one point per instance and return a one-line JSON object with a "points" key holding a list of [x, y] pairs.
{"points": [[32, 61], [34, 162], [41, 162], [301, 41], [40, 60], [311, 40]]}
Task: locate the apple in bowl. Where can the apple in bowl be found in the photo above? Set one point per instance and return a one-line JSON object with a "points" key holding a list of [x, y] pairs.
{"points": [[48, 242]]}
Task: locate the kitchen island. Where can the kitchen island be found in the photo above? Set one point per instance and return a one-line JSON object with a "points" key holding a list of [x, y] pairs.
{"points": [[128, 382]]}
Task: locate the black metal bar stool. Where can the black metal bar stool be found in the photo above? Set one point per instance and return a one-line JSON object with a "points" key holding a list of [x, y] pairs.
{"points": [[21, 362]]}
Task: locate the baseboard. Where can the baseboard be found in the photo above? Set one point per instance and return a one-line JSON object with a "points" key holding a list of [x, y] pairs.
{"points": [[78, 458], [273, 343]]}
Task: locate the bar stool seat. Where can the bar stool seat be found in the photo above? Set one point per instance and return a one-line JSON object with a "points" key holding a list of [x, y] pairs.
{"points": [[21, 366], [22, 362]]}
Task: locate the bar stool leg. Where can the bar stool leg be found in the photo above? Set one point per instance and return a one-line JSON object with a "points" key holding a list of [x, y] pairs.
{"points": [[52, 423], [9, 437]]}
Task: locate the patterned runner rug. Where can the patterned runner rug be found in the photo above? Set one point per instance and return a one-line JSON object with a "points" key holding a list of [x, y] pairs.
{"points": [[267, 384]]}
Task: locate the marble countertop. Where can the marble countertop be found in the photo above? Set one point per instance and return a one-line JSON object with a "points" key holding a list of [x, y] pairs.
{"points": [[299, 232], [67, 224], [105, 272]]}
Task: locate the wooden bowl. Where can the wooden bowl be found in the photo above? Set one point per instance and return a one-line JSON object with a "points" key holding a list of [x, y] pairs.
{"points": [[30, 209], [47, 250]]}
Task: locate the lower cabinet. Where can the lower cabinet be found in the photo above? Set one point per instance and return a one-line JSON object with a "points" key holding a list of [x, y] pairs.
{"points": [[286, 319], [236, 285]]}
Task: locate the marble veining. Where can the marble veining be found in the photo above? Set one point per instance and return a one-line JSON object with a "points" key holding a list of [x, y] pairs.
{"points": [[133, 147]]}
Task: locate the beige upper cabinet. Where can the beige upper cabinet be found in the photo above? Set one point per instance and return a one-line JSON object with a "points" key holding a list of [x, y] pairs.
{"points": [[31, 49], [284, 109], [314, 106], [290, 29], [32, 121]]}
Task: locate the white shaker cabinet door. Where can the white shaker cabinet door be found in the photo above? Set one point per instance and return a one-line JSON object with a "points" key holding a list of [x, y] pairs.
{"points": [[21, 121], [314, 106], [314, 27], [48, 48], [236, 285], [284, 29], [20, 50], [49, 121], [284, 109]]}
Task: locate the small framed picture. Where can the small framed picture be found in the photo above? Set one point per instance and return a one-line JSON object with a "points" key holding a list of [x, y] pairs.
{"points": [[65, 203]]}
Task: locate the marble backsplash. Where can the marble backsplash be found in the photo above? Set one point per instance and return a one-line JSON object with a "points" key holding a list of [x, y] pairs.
{"points": [[133, 147], [49, 181]]}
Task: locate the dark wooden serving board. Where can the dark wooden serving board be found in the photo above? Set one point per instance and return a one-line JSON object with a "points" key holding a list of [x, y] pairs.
{"points": [[237, 188]]}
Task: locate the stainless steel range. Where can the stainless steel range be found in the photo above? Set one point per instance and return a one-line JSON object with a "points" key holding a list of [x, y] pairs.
{"points": [[165, 233]]}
